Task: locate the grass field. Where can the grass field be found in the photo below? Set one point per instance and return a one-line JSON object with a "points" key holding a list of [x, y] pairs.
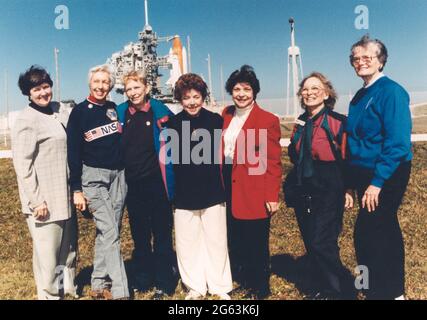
{"points": [[287, 250]]}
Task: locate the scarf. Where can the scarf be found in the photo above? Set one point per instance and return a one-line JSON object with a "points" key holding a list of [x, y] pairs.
{"points": [[305, 161]]}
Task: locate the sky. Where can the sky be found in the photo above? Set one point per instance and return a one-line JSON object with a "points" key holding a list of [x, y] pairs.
{"points": [[233, 32]]}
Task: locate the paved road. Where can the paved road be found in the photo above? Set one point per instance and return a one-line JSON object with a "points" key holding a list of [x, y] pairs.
{"points": [[414, 138], [283, 142], [5, 154], [419, 137]]}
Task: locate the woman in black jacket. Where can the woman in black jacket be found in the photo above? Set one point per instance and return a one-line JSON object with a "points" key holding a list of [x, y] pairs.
{"points": [[317, 151], [200, 215]]}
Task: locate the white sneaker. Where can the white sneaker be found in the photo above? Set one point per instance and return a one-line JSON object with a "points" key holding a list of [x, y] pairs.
{"points": [[193, 295], [224, 296], [72, 293]]}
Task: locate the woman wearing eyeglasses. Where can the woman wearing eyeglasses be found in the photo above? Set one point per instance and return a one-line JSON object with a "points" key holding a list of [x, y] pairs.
{"points": [[315, 186], [379, 139]]}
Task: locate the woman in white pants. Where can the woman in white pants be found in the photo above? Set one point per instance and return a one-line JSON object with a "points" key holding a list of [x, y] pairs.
{"points": [[39, 147], [200, 215]]}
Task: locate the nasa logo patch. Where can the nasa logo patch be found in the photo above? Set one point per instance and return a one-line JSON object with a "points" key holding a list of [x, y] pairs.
{"points": [[111, 113]]}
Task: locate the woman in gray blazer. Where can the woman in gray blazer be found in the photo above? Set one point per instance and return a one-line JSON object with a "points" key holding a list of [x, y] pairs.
{"points": [[39, 148]]}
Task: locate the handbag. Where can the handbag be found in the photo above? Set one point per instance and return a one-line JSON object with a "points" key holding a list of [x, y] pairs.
{"points": [[291, 190]]}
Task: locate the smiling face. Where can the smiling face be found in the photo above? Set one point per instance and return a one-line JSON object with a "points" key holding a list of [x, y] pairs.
{"points": [[365, 61], [136, 91], [242, 95], [41, 95], [192, 102], [313, 93], [99, 85]]}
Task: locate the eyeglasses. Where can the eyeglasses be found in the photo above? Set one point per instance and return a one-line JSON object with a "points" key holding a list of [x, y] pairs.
{"points": [[314, 90], [365, 59]]}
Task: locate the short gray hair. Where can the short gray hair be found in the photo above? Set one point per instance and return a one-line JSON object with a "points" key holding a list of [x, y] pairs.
{"points": [[103, 68], [364, 42]]}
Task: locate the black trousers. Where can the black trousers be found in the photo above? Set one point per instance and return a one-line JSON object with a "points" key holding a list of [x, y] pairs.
{"points": [[151, 221], [377, 235], [248, 244], [319, 215]]}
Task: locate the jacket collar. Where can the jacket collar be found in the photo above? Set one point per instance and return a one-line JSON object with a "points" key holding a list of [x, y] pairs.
{"points": [[95, 101], [304, 117], [145, 108], [250, 121]]}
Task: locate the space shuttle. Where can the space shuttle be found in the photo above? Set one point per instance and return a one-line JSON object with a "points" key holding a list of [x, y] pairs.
{"points": [[142, 55], [177, 58]]}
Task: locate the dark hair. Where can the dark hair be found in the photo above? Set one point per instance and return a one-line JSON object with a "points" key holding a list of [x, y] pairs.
{"points": [[329, 89], [187, 82], [246, 74], [33, 77], [364, 42]]}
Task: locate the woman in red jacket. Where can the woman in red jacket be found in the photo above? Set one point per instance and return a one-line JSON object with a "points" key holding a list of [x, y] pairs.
{"points": [[252, 176]]}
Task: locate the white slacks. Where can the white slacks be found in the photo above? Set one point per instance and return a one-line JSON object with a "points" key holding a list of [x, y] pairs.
{"points": [[201, 247], [54, 257]]}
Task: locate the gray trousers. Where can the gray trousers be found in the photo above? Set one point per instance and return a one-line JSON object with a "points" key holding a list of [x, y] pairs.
{"points": [[54, 257], [106, 192]]}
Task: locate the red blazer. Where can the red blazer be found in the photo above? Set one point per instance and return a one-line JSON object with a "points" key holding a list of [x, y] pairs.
{"points": [[257, 168]]}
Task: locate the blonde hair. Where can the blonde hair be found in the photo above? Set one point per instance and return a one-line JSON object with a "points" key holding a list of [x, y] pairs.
{"points": [[135, 76], [329, 89], [103, 68]]}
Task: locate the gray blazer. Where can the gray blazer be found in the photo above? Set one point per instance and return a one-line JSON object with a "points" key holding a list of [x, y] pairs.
{"points": [[39, 151]]}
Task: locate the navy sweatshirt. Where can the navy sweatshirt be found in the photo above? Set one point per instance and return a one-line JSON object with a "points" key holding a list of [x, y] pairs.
{"points": [[379, 129], [197, 186], [93, 139]]}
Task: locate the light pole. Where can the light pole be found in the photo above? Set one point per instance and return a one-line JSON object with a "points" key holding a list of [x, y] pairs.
{"points": [[58, 90], [7, 107]]}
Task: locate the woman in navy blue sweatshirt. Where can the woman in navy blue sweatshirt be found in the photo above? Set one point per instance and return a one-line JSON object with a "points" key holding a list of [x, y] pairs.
{"points": [[379, 139], [97, 177]]}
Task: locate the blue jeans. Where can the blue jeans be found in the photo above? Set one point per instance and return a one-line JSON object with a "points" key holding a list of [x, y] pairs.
{"points": [[106, 192]]}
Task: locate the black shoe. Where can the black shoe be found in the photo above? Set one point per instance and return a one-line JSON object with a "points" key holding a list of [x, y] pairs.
{"points": [[159, 295], [314, 296], [141, 289], [258, 294], [322, 296]]}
